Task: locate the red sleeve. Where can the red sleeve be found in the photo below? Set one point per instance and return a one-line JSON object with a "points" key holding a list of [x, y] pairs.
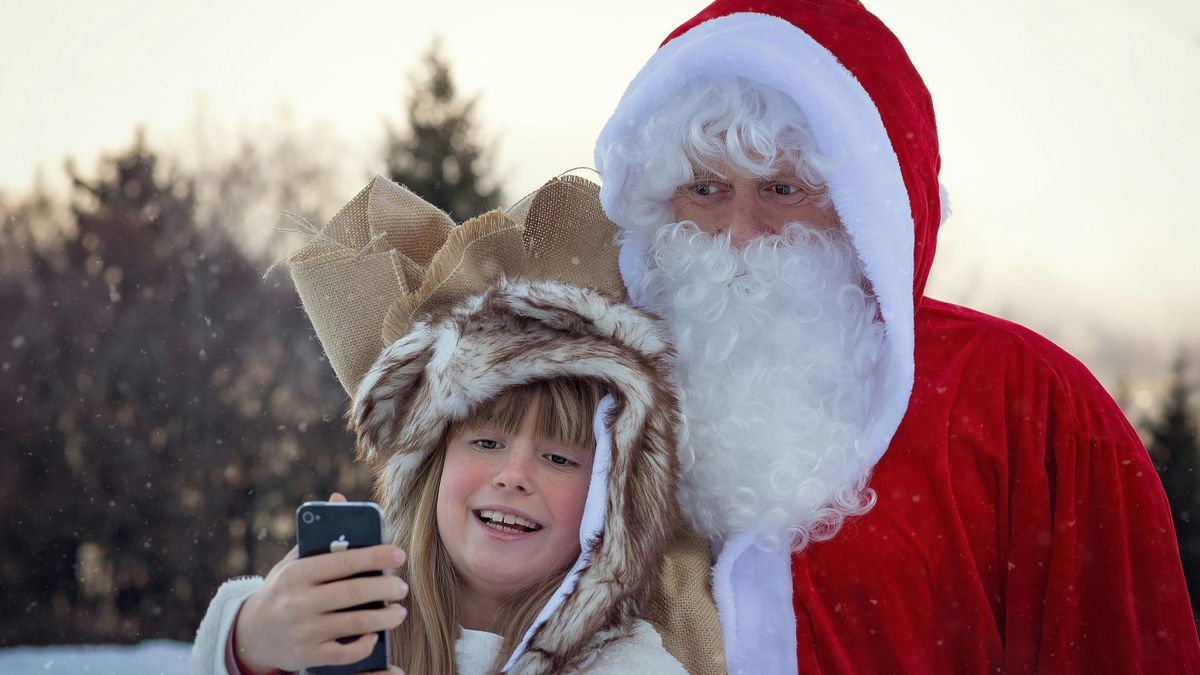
{"points": [[1094, 579], [1019, 528]]}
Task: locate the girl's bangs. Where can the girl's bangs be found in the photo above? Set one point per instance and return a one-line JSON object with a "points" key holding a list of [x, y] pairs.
{"points": [[564, 409]]}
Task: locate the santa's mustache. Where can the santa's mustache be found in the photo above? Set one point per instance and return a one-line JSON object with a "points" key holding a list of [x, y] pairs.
{"points": [[705, 272]]}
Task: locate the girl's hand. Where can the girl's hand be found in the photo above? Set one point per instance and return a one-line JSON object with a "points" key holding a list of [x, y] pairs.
{"points": [[292, 622]]}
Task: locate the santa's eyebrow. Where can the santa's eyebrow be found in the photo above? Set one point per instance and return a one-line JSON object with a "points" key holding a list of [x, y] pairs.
{"points": [[784, 174]]}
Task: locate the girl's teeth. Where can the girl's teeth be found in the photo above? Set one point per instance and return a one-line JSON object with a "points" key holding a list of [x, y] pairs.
{"points": [[507, 519]]}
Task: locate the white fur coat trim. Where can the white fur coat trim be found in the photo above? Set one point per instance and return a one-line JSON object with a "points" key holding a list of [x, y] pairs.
{"points": [[208, 650], [751, 589]]}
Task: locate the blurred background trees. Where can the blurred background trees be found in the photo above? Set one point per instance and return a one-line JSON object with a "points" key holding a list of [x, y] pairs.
{"points": [[170, 408], [165, 407], [1174, 445]]}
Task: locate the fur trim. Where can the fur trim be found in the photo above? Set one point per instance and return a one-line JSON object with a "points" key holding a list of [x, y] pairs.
{"points": [[865, 180], [759, 627], [944, 201], [517, 332]]}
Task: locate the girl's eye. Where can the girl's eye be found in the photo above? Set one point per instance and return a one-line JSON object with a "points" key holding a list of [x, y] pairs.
{"points": [[485, 444], [560, 460]]}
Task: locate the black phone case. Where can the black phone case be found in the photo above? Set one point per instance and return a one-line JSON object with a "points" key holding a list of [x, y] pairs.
{"points": [[325, 527]]}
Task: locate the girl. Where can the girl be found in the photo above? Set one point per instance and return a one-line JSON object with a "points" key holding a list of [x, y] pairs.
{"points": [[557, 556], [524, 453]]}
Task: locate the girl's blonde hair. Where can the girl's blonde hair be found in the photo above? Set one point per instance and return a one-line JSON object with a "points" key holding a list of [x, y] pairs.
{"points": [[424, 643]]}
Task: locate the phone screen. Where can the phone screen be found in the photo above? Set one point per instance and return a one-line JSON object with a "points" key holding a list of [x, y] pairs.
{"points": [[331, 527]]}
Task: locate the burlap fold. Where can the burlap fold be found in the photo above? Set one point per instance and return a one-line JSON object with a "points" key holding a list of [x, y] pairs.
{"points": [[682, 609], [390, 258]]}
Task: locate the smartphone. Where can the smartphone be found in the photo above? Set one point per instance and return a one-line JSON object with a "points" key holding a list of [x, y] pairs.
{"points": [[330, 527]]}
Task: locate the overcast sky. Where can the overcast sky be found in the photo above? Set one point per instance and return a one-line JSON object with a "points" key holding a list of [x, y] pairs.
{"points": [[1068, 128]]}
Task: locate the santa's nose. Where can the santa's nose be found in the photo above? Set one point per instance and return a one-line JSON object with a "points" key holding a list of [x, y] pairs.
{"points": [[748, 217]]}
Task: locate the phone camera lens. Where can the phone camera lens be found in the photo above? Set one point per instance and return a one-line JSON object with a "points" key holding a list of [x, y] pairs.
{"points": [[308, 517]]}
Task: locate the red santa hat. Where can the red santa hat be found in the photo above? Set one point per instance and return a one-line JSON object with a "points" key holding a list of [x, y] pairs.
{"points": [[868, 110]]}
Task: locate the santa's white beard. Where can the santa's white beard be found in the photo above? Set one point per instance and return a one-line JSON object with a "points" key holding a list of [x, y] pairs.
{"points": [[777, 343]]}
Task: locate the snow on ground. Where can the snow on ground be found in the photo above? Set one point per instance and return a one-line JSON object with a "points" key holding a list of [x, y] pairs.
{"points": [[152, 657]]}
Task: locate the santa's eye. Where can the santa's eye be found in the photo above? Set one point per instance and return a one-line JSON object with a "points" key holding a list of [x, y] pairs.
{"points": [[787, 193], [701, 188]]}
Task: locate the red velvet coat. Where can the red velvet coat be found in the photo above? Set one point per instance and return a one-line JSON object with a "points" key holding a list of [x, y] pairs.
{"points": [[1020, 527]]}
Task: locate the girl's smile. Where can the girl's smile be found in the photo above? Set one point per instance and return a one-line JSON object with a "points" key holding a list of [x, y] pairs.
{"points": [[505, 522]]}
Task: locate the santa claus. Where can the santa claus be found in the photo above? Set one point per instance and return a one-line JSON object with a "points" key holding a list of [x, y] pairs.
{"points": [[883, 482]]}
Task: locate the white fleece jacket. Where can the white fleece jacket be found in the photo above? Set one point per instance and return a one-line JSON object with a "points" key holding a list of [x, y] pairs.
{"points": [[640, 653]]}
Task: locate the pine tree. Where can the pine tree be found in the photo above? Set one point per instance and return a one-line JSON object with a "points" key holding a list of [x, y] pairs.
{"points": [[1175, 447], [439, 156]]}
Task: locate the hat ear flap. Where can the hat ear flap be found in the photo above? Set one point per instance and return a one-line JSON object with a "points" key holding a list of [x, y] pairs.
{"points": [[387, 394]]}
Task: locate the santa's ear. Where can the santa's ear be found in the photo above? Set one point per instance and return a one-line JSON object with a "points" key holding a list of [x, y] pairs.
{"points": [[386, 395]]}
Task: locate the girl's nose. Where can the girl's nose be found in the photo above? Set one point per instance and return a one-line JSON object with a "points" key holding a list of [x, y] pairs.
{"points": [[513, 473]]}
